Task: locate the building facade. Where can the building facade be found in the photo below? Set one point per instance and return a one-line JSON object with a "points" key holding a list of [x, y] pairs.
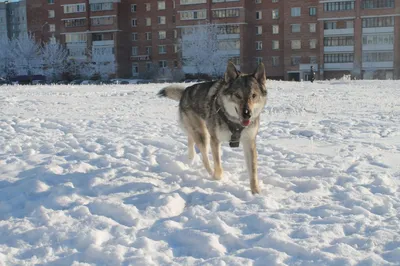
{"points": [[13, 19], [339, 37]]}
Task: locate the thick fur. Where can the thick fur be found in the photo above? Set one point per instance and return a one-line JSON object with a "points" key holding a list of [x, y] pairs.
{"points": [[205, 109]]}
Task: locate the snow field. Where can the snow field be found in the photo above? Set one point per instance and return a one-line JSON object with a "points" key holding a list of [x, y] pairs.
{"points": [[98, 175]]}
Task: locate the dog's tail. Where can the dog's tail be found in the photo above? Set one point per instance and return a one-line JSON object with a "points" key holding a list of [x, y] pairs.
{"points": [[173, 92]]}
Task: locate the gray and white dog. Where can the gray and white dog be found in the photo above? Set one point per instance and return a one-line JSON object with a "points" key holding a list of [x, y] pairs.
{"points": [[224, 110]]}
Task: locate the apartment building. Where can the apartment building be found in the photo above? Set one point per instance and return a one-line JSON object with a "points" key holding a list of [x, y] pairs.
{"points": [[360, 38], [336, 37], [13, 19], [153, 38]]}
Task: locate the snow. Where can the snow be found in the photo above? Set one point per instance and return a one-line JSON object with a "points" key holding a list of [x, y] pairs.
{"points": [[99, 175]]}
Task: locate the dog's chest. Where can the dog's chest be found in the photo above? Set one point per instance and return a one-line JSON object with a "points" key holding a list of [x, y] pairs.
{"points": [[224, 134]]}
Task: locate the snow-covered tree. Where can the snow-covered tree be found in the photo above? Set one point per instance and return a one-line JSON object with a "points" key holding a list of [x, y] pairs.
{"points": [[54, 59], [201, 50], [28, 55], [7, 58]]}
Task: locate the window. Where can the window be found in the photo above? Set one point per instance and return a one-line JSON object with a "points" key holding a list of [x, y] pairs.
{"points": [[378, 56], [229, 45], [75, 8], [339, 58], [162, 63], [148, 21], [70, 23], [380, 39], [191, 2], [176, 48], [135, 69], [52, 27], [275, 60], [295, 27], [135, 50], [312, 27], [149, 66], [148, 36], [133, 8], [162, 49], [162, 35], [101, 6], [313, 59], [259, 60], [312, 11], [50, 2], [378, 22], [330, 25], [134, 36], [225, 13], [339, 41], [235, 60], [175, 63], [75, 38], [275, 29], [295, 11], [147, 6], [149, 50], [51, 14], [161, 20], [295, 60], [258, 15], [98, 21], [161, 5], [369, 4], [338, 6], [193, 14], [134, 22], [259, 45], [275, 45], [228, 29], [313, 44], [175, 34], [275, 14], [296, 44], [258, 30]]}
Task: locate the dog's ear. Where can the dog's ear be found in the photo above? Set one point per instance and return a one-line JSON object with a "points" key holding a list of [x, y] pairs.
{"points": [[259, 74], [231, 73]]}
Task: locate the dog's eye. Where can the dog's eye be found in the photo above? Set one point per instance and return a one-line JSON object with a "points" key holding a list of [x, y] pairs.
{"points": [[237, 95], [254, 95]]}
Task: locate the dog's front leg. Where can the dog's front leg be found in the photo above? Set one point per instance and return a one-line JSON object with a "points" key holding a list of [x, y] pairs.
{"points": [[250, 154], [216, 152]]}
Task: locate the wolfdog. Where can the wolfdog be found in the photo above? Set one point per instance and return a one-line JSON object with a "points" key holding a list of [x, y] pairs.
{"points": [[224, 110]]}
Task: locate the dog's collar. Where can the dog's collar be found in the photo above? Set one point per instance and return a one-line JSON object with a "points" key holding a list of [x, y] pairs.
{"points": [[235, 128]]}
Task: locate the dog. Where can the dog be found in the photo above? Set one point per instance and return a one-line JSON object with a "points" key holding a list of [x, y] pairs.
{"points": [[223, 110]]}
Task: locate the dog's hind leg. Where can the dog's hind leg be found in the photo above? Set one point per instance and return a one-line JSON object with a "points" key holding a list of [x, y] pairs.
{"points": [[216, 152], [191, 151], [202, 142]]}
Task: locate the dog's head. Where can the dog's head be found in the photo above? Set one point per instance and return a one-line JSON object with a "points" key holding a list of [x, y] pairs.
{"points": [[244, 95]]}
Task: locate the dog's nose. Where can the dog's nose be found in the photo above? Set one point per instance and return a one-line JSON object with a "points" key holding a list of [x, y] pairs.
{"points": [[246, 113]]}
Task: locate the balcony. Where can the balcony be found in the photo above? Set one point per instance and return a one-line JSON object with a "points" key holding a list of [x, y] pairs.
{"points": [[103, 1], [103, 43], [338, 66], [349, 31], [378, 47], [136, 58], [346, 48], [307, 67], [378, 30], [377, 65]]}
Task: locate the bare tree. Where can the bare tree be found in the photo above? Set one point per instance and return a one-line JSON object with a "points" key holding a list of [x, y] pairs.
{"points": [[54, 59], [28, 56], [7, 58], [201, 50]]}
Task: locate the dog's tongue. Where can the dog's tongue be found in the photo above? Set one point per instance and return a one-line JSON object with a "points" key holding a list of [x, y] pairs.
{"points": [[246, 123]]}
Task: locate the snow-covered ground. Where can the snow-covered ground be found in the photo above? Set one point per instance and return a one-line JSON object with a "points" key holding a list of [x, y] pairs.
{"points": [[98, 175]]}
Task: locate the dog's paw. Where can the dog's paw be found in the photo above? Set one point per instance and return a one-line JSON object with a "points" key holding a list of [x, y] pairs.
{"points": [[218, 174], [255, 190]]}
